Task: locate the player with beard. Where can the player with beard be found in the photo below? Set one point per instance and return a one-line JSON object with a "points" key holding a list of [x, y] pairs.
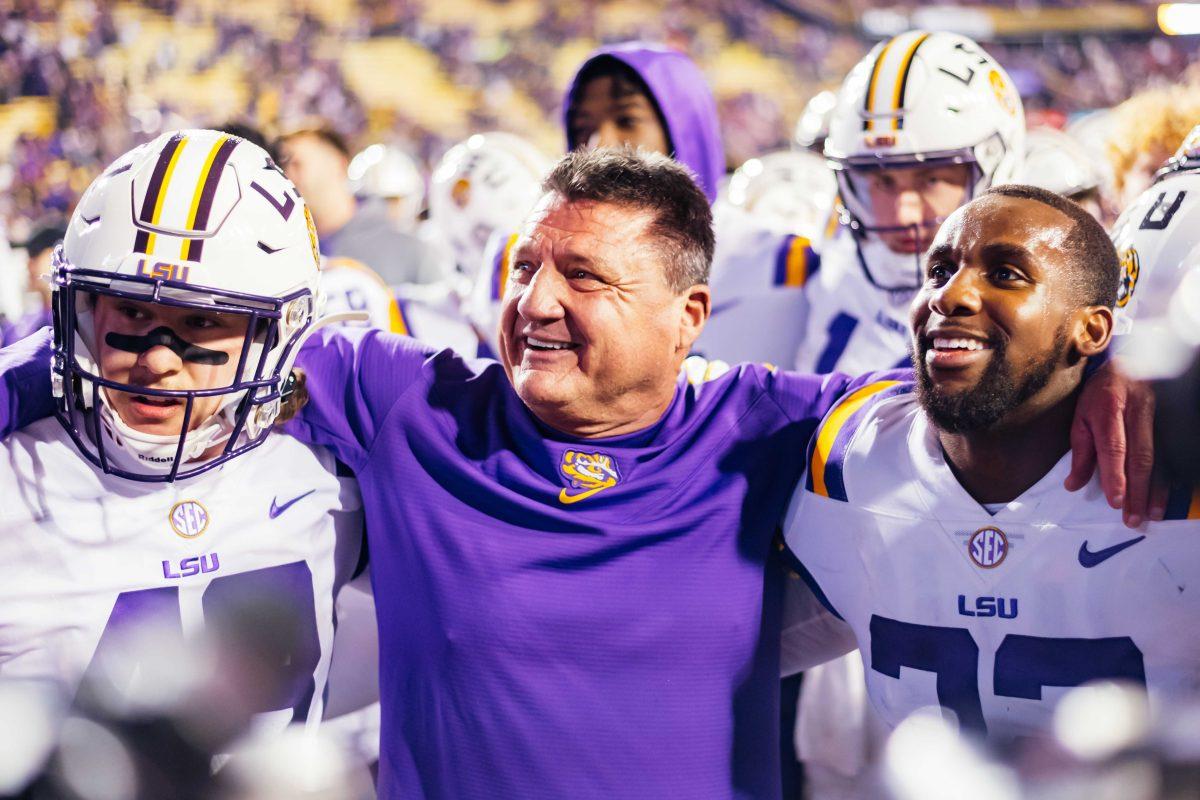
{"points": [[956, 481]]}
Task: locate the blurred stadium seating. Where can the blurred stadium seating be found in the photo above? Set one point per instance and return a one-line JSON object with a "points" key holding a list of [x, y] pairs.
{"points": [[81, 80]]}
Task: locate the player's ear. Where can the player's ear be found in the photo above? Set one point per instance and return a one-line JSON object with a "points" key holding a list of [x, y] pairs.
{"points": [[694, 311], [1093, 330]]}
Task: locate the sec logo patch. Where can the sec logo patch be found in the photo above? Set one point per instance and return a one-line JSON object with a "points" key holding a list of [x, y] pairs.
{"points": [[188, 518], [988, 547]]}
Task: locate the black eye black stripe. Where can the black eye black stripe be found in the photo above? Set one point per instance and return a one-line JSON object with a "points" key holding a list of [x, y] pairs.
{"points": [[166, 337]]}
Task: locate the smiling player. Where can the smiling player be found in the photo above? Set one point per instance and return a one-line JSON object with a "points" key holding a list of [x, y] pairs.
{"points": [[176, 319], [1025, 589]]}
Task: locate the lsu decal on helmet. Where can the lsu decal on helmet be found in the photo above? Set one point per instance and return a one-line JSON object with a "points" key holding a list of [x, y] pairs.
{"points": [[920, 100], [198, 220], [486, 184]]}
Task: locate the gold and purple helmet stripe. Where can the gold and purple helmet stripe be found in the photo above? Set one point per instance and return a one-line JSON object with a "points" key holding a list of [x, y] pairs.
{"points": [[892, 72], [206, 189], [828, 452], [160, 179], [873, 85], [501, 267], [795, 261]]}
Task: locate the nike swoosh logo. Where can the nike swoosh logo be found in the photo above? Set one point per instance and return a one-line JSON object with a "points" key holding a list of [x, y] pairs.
{"points": [[568, 499], [1089, 559], [277, 509]]}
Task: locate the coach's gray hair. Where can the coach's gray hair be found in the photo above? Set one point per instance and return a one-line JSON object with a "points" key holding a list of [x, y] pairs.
{"points": [[651, 181]]}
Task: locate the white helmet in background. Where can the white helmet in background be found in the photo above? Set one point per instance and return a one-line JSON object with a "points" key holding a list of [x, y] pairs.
{"points": [[1158, 241], [813, 126], [392, 176], [487, 183], [194, 219], [1055, 161], [920, 100], [790, 191]]}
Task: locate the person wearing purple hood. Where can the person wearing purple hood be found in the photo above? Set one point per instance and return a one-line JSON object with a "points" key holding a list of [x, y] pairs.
{"points": [[650, 96], [572, 550]]}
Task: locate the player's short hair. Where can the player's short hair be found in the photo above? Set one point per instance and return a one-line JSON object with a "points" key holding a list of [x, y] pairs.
{"points": [[324, 134], [1096, 269], [652, 182]]}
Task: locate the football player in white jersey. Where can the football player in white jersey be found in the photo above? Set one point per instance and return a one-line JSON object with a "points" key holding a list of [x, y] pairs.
{"points": [[479, 194], [186, 282], [1158, 242], [954, 485], [924, 123]]}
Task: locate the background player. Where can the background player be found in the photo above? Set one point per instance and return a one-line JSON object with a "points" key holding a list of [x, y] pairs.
{"points": [[175, 331], [1025, 589]]}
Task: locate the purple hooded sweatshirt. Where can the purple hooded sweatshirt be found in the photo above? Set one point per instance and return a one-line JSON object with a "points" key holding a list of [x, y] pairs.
{"points": [[682, 94]]}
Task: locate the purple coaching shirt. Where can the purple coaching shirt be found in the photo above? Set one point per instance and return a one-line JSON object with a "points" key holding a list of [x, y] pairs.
{"points": [[558, 617], [561, 617]]}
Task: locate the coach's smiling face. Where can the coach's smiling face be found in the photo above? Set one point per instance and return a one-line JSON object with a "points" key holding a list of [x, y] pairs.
{"points": [[591, 334], [998, 321]]}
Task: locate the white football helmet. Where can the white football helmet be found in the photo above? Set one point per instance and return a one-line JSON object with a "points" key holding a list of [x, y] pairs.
{"points": [[791, 191], [487, 183], [919, 100], [813, 126], [1158, 241], [1055, 161], [391, 176], [195, 219]]}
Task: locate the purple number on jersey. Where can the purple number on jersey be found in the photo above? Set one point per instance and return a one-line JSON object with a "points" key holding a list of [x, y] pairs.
{"points": [[274, 604]]}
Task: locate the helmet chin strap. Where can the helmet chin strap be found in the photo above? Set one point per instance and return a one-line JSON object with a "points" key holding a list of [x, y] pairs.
{"points": [[156, 452], [894, 272]]}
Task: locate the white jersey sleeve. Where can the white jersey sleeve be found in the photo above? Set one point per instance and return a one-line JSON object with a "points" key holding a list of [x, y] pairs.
{"points": [[812, 634], [431, 316], [852, 326], [993, 617], [758, 279], [87, 560]]}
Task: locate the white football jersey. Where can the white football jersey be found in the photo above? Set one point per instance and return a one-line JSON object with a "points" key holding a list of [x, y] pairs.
{"points": [[758, 278], [851, 326], [84, 554], [433, 318], [994, 617]]}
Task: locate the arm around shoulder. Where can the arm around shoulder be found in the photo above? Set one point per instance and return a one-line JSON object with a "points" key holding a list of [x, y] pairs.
{"points": [[25, 393], [353, 379]]}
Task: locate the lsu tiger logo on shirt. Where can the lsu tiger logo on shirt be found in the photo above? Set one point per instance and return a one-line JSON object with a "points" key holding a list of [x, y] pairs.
{"points": [[588, 474]]}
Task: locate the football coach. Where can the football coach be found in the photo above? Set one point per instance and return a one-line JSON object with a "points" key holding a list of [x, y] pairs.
{"points": [[572, 549]]}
